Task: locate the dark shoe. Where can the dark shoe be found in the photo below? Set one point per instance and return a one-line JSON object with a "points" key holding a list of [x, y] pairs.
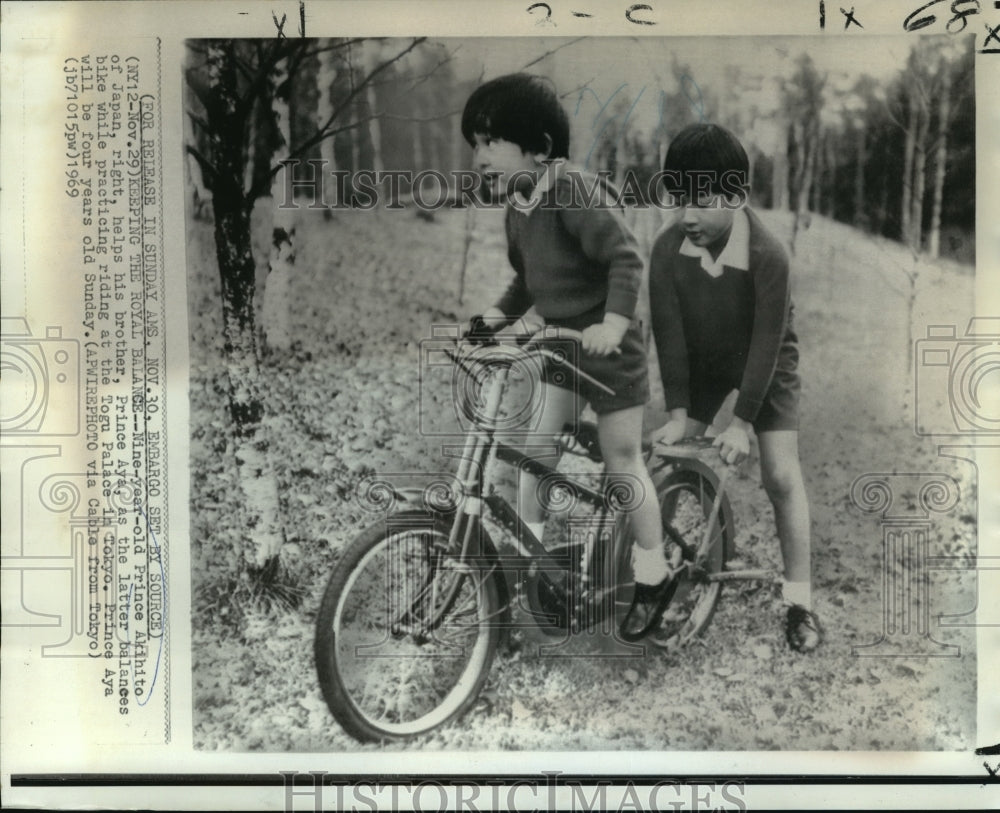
{"points": [[648, 604], [802, 629]]}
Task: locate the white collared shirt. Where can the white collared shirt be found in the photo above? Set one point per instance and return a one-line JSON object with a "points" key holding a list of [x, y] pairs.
{"points": [[736, 253]]}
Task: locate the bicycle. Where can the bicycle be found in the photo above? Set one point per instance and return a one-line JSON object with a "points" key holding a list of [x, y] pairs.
{"points": [[413, 612]]}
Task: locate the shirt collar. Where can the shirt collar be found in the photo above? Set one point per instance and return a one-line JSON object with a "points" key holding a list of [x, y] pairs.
{"points": [[554, 170], [736, 253]]}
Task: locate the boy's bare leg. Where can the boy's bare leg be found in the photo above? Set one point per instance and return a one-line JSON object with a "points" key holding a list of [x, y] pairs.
{"points": [[620, 435], [558, 407], [781, 474]]}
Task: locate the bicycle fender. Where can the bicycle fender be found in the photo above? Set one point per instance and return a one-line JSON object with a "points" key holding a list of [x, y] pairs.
{"points": [[675, 464]]}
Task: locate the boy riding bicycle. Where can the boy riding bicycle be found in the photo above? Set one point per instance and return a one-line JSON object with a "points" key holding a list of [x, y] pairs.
{"points": [[722, 320], [576, 265]]}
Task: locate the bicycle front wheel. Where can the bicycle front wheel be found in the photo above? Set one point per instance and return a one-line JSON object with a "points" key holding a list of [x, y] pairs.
{"points": [[406, 633]]}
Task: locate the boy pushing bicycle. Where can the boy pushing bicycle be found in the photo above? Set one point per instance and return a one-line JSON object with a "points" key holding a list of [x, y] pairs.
{"points": [[722, 320]]}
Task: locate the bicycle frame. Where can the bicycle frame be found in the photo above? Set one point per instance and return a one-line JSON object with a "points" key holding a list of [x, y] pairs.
{"points": [[481, 448]]}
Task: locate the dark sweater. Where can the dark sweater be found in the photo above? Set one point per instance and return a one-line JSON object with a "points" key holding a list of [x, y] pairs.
{"points": [[727, 329], [570, 260]]}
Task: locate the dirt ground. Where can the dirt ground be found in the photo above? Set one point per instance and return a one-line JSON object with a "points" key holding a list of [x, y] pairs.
{"points": [[346, 404]]}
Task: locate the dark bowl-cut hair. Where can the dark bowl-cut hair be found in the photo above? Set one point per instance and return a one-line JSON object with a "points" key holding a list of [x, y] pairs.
{"points": [[520, 108], [707, 148]]}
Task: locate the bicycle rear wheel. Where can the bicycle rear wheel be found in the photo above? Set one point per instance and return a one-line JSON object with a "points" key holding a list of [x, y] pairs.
{"points": [[406, 633], [687, 497]]}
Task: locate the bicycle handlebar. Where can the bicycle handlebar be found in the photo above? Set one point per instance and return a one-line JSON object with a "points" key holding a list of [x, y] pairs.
{"points": [[552, 332], [533, 344]]}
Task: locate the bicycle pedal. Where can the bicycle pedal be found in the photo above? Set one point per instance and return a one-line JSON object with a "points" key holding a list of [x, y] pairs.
{"points": [[582, 441]]}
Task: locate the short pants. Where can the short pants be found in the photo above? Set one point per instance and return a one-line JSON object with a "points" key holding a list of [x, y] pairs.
{"points": [[780, 410], [626, 372]]}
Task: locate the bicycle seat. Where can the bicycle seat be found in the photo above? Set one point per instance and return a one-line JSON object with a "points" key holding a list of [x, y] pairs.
{"points": [[584, 441], [694, 446]]}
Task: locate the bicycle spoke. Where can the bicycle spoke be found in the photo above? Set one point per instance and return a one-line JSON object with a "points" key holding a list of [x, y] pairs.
{"points": [[695, 522], [412, 634]]}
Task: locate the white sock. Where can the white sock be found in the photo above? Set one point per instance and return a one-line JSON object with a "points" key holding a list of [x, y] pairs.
{"points": [[537, 528], [797, 593], [648, 566]]}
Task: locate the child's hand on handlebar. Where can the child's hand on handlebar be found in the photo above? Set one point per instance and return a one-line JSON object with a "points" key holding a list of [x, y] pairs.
{"points": [[604, 338]]}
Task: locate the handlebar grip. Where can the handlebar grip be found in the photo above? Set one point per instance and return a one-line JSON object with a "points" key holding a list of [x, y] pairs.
{"points": [[479, 332]]}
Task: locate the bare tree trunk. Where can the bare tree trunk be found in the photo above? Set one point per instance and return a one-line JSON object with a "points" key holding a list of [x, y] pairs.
{"points": [[353, 132], [470, 230], [779, 171], [919, 180], [370, 62], [860, 217], [437, 153], [940, 163], [198, 195], [276, 308], [806, 149], [231, 208], [325, 77], [830, 177], [908, 149], [882, 209], [250, 163], [912, 277], [418, 146], [812, 148], [374, 125], [458, 158], [819, 174]]}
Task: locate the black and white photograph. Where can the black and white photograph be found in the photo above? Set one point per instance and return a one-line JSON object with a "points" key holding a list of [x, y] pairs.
{"points": [[579, 394], [499, 405]]}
